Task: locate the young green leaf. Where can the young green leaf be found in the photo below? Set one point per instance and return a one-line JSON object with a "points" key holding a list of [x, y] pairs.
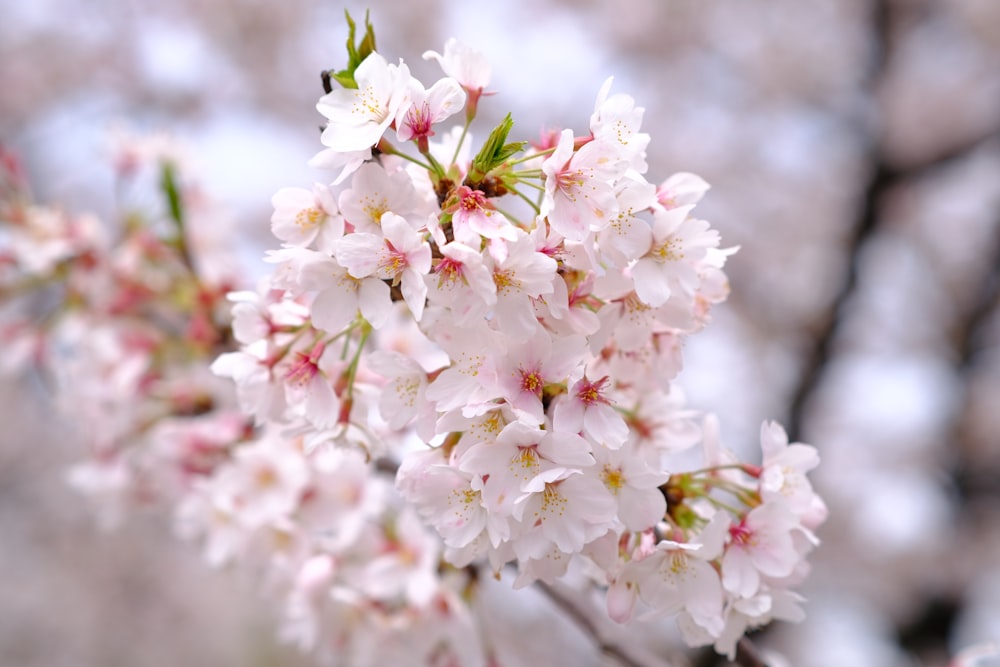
{"points": [[494, 151], [355, 54]]}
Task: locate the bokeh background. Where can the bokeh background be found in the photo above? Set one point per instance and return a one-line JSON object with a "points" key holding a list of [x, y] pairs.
{"points": [[854, 151]]}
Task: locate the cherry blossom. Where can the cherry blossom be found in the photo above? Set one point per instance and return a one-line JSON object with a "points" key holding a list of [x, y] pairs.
{"points": [[587, 408], [681, 189], [475, 217], [359, 116], [301, 216], [428, 107], [468, 66], [522, 275], [671, 264], [400, 255], [374, 192], [616, 120], [461, 282], [760, 544], [579, 188], [461, 363], [634, 484]]}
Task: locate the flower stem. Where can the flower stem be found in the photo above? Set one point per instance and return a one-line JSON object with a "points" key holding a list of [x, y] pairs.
{"points": [[525, 198], [526, 158]]}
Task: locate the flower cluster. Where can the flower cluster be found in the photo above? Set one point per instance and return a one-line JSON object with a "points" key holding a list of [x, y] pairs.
{"points": [[463, 361], [124, 321], [507, 325]]}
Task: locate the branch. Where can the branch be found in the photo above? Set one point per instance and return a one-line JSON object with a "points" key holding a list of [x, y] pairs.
{"points": [[864, 226], [748, 655], [590, 628], [977, 318], [826, 330], [884, 176], [967, 341], [944, 157]]}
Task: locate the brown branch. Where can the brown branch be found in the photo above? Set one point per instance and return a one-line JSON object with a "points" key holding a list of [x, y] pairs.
{"points": [[944, 157], [883, 176], [826, 329], [590, 627], [972, 325], [585, 623], [967, 341], [748, 655]]}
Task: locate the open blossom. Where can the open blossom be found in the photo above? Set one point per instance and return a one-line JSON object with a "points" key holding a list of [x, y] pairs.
{"points": [[522, 275], [681, 189], [562, 507], [783, 473], [405, 566], [475, 217], [428, 107], [359, 116], [468, 66], [309, 387], [528, 366], [634, 485], [400, 255], [266, 479], [760, 544], [461, 282], [519, 455], [444, 496], [403, 398], [300, 216], [257, 316], [615, 121], [374, 192], [679, 243], [587, 408], [340, 297], [471, 376], [678, 578], [628, 234], [579, 187]]}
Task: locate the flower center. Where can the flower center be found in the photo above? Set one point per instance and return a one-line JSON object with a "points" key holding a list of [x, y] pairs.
{"points": [[670, 250], [613, 479], [531, 382], [309, 218]]}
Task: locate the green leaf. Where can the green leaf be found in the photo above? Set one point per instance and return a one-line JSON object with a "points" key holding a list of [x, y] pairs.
{"points": [[509, 150], [495, 151], [168, 182], [355, 54]]}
